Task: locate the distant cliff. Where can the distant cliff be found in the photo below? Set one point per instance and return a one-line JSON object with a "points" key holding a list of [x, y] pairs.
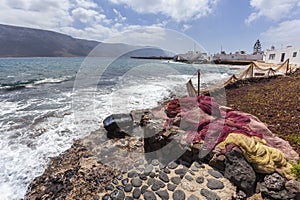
{"points": [[27, 42]]}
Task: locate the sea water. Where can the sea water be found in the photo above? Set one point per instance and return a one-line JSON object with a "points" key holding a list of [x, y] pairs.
{"points": [[46, 103]]}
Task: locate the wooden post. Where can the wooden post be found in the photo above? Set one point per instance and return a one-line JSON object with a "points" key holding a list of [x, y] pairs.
{"points": [[288, 66], [198, 82]]}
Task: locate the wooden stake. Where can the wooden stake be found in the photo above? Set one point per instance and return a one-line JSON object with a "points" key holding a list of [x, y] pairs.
{"points": [[198, 82]]}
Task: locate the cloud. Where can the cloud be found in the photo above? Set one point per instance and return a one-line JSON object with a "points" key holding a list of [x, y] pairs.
{"points": [[180, 11], [47, 14], [78, 18], [86, 4], [86, 15], [274, 9], [60, 16], [285, 33]]}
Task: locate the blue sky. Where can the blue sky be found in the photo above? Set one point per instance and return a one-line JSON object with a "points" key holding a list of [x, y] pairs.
{"points": [[231, 24]]}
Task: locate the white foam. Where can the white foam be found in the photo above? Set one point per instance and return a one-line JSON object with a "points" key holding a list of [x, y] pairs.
{"points": [[25, 151], [52, 80]]}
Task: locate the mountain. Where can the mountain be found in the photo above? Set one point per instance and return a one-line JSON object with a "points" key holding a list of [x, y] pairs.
{"points": [[27, 42]]}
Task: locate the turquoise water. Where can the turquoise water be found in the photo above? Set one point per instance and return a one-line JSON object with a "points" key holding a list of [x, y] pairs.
{"points": [[46, 103]]}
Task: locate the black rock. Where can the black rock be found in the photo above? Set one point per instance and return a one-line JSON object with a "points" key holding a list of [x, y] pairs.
{"points": [[132, 174], [115, 182], [194, 168], [181, 172], [172, 165], [144, 188], [136, 193], [164, 177], [200, 179], [152, 174], [171, 187], [240, 172], [214, 184], [209, 195], [114, 194], [167, 171], [120, 195], [95, 197], [176, 180], [199, 165], [191, 172], [117, 122], [276, 195], [149, 195], [274, 187], [215, 173], [109, 187], [274, 181], [163, 194], [136, 182], [119, 177], [192, 197], [179, 195], [125, 181], [128, 188], [293, 186], [157, 185], [143, 177], [129, 198], [188, 177], [105, 197], [150, 181], [120, 187]]}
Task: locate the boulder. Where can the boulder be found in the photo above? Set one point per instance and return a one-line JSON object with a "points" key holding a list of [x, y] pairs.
{"points": [[274, 186], [240, 172], [118, 125]]}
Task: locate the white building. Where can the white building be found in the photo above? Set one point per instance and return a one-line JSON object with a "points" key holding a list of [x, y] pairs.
{"points": [[238, 56], [280, 55]]}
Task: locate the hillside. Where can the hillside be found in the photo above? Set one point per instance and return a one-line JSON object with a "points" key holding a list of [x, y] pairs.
{"points": [[27, 42]]}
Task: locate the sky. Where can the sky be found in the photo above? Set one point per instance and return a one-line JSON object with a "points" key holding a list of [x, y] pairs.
{"points": [[230, 25]]}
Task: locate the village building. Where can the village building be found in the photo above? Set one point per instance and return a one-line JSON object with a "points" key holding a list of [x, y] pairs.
{"points": [[280, 55]]}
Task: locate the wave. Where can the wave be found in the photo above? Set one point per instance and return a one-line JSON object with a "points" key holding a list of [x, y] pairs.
{"points": [[33, 82]]}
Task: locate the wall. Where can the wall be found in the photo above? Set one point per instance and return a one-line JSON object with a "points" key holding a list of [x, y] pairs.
{"points": [[275, 56]]}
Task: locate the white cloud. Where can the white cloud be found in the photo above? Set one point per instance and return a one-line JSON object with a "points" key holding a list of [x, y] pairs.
{"points": [[86, 4], [84, 15], [47, 14], [286, 33], [59, 16], [78, 18], [271, 9], [176, 9]]}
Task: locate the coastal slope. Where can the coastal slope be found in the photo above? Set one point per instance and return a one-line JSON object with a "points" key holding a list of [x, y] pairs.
{"points": [[27, 42]]}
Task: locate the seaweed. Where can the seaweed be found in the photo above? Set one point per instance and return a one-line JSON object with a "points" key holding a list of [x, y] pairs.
{"points": [[274, 102], [296, 169]]}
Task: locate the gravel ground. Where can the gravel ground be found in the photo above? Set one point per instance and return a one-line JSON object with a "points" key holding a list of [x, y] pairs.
{"points": [[275, 101]]}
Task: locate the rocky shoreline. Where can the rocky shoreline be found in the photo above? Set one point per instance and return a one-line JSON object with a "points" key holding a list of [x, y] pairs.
{"points": [[144, 155]]}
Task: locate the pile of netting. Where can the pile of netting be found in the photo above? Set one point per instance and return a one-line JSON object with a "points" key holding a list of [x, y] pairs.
{"points": [[220, 129]]}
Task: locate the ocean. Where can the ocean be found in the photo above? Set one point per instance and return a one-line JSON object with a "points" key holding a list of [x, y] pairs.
{"points": [[46, 103]]}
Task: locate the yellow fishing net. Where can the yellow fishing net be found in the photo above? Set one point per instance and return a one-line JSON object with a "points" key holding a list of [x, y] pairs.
{"points": [[264, 159]]}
